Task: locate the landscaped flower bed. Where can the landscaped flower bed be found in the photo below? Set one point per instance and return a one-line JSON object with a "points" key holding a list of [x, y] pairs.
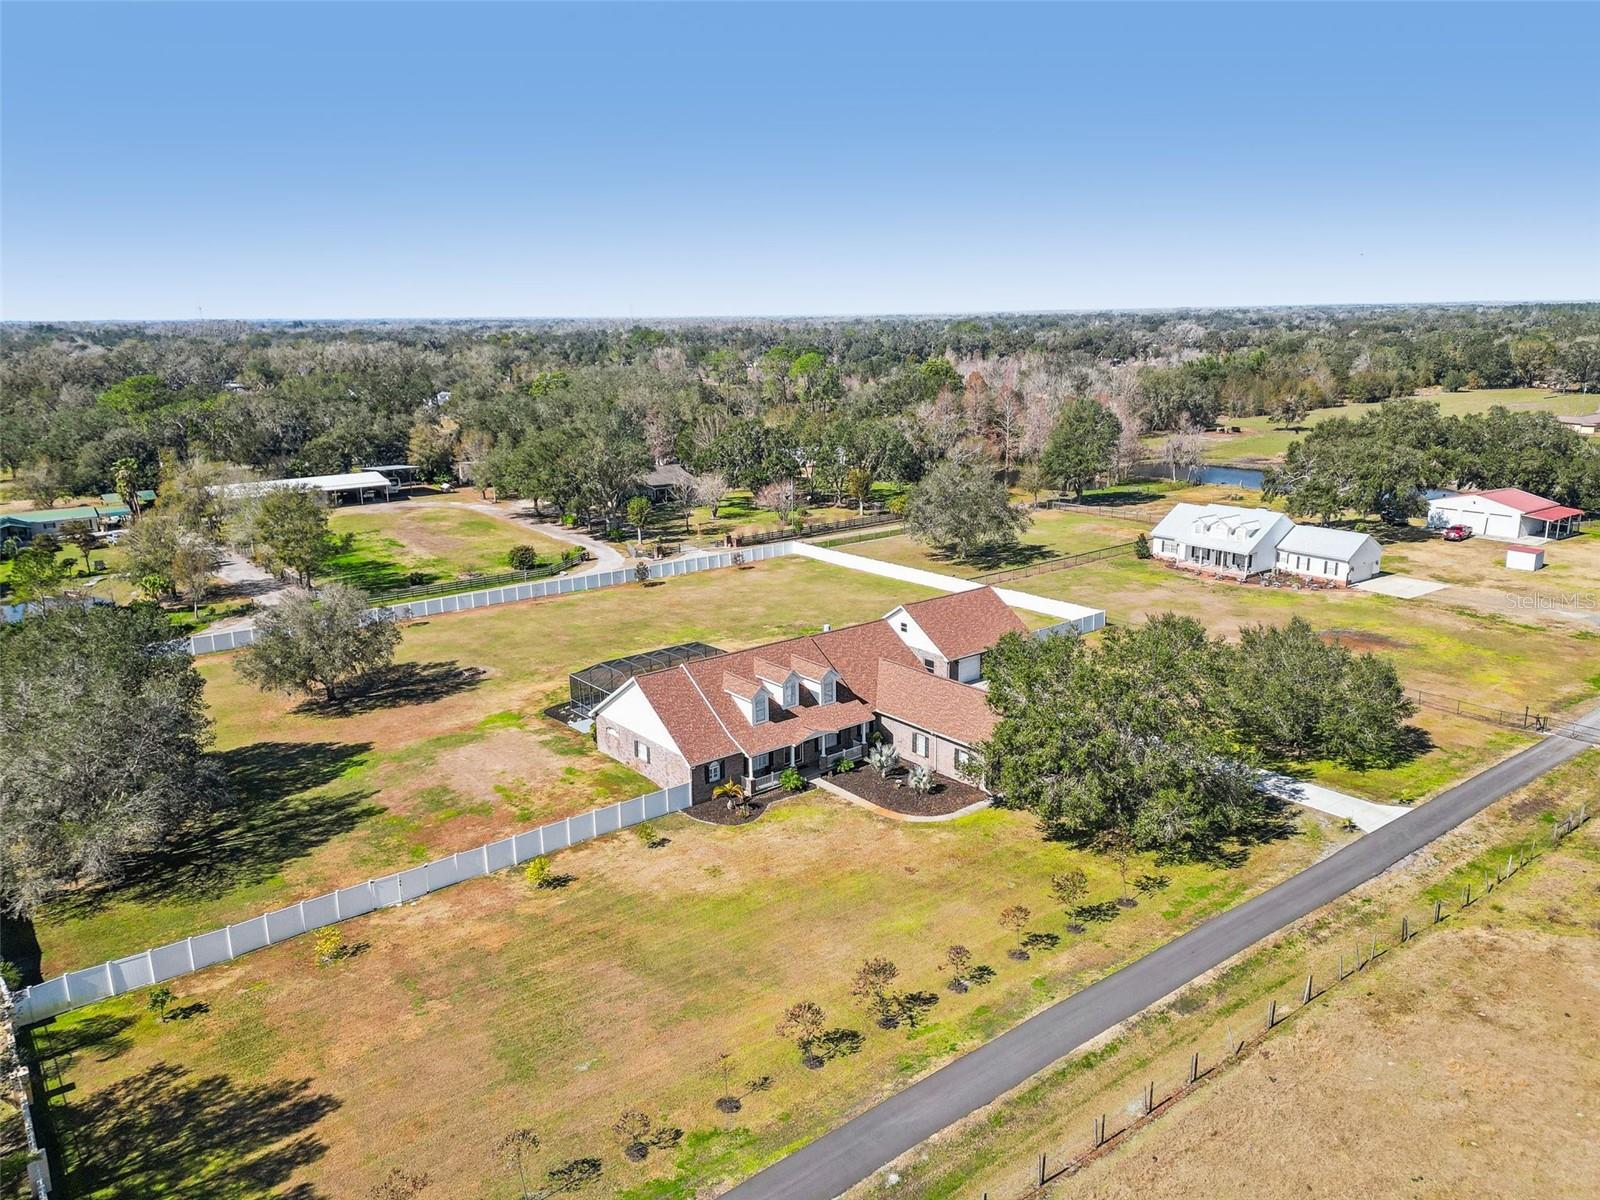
{"points": [[896, 794]]}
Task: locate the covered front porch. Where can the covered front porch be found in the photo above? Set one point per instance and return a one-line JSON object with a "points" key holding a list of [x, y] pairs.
{"points": [[1212, 562], [812, 756]]}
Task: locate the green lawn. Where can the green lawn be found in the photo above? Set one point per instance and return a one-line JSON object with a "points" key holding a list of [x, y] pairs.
{"points": [[557, 1009], [449, 758], [427, 540], [1262, 442]]}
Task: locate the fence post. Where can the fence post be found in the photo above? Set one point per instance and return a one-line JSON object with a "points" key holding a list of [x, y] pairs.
{"points": [[1194, 1066], [1041, 1170], [1466, 901], [1272, 1013], [1405, 930], [1438, 911], [1341, 968], [1306, 999], [1374, 948], [1149, 1098]]}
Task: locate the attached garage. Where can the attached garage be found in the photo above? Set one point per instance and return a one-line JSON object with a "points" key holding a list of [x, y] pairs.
{"points": [[1331, 555]]}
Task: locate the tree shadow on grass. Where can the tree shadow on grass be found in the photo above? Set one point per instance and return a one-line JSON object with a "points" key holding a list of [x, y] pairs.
{"points": [[163, 1130], [274, 816], [996, 558], [1119, 497], [100, 1035], [402, 683]]}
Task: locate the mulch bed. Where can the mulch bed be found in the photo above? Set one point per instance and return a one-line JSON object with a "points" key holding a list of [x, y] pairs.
{"points": [[717, 812], [948, 795]]}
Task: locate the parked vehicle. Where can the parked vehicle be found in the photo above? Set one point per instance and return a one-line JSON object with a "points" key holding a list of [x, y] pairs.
{"points": [[1457, 533]]}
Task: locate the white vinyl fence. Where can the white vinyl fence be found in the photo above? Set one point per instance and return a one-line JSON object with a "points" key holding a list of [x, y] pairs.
{"points": [[533, 589], [19, 1090], [77, 988]]}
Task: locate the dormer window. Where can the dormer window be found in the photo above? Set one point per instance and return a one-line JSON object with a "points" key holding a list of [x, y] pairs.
{"points": [[791, 694], [830, 690]]}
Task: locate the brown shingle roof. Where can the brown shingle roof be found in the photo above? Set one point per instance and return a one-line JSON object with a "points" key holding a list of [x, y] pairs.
{"points": [[955, 711], [693, 699], [692, 724], [965, 623]]}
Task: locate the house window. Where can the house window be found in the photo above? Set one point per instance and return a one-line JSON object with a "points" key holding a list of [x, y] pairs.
{"points": [[919, 744], [902, 627], [763, 761], [714, 772], [789, 697], [928, 665], [962, 758], [641, 751], [830, 691], [612, 736]]}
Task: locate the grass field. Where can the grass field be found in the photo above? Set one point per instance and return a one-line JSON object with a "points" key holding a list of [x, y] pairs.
{"points": [[1420, 1076], [1123, 514], [1262, 442], [493, 1005], [738, 514], [427, 539], [451, 755]]}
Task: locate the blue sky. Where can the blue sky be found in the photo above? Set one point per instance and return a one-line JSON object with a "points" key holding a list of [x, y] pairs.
{"points": [[412, 160]]}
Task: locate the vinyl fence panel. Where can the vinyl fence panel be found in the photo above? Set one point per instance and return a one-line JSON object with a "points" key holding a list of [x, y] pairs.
{"points": [[77, 988]]}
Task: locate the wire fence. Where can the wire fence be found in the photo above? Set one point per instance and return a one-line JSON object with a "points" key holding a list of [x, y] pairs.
{"points": [[1525, 719], [821, 530], [1156, 1098], [1061, 563]]}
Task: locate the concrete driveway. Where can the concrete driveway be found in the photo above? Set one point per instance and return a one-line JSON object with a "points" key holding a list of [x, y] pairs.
{"points": [[1403, 587], [1366, 815]]}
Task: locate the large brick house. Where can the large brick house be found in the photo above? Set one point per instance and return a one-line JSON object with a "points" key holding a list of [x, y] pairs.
{"points": [[809, 702]]}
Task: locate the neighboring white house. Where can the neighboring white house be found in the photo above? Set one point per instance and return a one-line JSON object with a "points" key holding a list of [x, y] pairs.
{"points": [[1506, 514], [1219, 539], [1339, 555]]}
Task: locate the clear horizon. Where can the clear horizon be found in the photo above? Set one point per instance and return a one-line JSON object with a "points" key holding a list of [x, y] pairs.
{"points": [[418, 162]]}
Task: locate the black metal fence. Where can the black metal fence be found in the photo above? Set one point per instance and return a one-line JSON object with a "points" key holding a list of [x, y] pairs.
{"points": [[1062, 563], [473, 582], [787, 534]]}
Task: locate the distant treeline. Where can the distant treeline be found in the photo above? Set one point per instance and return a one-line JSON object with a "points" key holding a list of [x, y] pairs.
{"points": [[574, 412]]}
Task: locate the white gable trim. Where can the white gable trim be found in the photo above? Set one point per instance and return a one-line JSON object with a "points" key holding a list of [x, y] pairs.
{"points": [[630, 708], [913, 635]]}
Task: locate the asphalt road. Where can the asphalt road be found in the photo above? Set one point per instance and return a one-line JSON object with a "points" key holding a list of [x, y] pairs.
{"points": [[838, 1160]]}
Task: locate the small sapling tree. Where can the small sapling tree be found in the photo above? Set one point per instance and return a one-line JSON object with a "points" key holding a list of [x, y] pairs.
{"points": [[802, 1024], [1015, 918], [871, 989], [160, 1000], [633, 1127], [958, 958], [514, 1150]]}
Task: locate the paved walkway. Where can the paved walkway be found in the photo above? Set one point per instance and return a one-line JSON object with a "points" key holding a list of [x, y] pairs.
{"points": [[1366, 815], [838, 1160]]}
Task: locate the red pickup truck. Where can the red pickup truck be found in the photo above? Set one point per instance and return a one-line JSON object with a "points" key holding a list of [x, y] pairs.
{"points": [[1457, 533]]}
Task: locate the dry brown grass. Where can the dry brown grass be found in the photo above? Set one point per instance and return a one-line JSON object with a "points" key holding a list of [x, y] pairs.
{"points": [[1460, 1064]]}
